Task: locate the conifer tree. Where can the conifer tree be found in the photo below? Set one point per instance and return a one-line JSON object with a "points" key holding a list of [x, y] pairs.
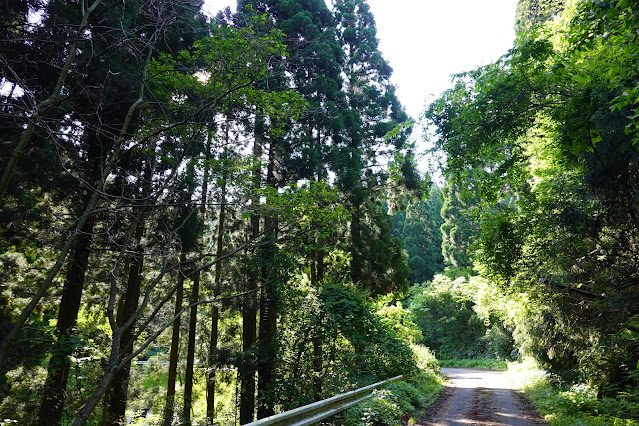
{"points": [[373, 111]]}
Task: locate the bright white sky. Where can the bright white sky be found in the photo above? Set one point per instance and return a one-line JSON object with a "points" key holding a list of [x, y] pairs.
{"points": [[426, 41]]}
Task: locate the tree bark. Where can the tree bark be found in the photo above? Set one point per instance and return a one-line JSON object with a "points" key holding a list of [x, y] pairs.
{"points": [[210, 385], [318, 350], [116, 398], [190, 353], [249, 309], [268, 308], [169, 408], [59, 364]]}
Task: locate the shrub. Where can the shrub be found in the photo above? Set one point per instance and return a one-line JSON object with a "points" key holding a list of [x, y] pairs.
{"points": [[387, 406], [425, 358], [381, 410], [577, 404], [409, 396]]}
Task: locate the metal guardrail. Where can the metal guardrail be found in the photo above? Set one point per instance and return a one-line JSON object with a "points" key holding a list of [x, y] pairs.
{"points": [[317, 411]]}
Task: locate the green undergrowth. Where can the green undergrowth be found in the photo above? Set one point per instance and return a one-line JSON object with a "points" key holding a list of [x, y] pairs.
{"points": [[486, 364], [398, 401], [563, 405]]}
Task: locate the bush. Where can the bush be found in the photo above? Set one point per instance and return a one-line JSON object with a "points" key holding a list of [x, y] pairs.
{"points": [[409, 396], [429, 385], [382, 409], [387, 406], [426, 360], [577, 404]]}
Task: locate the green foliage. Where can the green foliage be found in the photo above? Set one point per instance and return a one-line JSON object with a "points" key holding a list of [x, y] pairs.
{"points": [[429, 384], [227, 65], [408, 396], [382, 409], [426, 360], [396, 318], [376, 347], [461, 318], [545, 141], [389, 406], [25, 386], [483, 363], [563, 404], [531, 13], [339, 321], [458, 227], [418, 225], [384, 268], [312, 205]]}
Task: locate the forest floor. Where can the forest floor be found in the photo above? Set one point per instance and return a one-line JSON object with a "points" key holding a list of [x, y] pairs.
{"points": [[479, 397]]}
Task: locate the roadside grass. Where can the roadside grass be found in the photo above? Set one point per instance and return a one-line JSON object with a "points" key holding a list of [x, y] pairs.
{"points": [[481, 363], [575, 405], [399, 401]]}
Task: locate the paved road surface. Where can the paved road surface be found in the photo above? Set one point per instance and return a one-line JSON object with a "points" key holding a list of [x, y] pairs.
{"points": [[479, 397]]}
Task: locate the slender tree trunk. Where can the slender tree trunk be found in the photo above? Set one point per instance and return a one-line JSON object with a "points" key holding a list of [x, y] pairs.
{"points": [[210, 386], [190, 353], [59, 364], [267, 332], [249, 309], [195, 295], [116, 398], [268, 309], [169, 408], [318, 350]]}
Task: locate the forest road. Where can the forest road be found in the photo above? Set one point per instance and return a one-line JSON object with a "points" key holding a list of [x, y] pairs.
{"points": [[479, 397]]}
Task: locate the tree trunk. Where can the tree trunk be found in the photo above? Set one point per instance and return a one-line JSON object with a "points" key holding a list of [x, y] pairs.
{"points": [[190, 353], [116, 398], [60, 364], [318, 350], [210, 385], [169, 408], [318, 262], [268, 308], [267, 332], [249, 309], [195, 295]]}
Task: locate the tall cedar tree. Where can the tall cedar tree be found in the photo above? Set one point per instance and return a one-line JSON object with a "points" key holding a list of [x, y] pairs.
{"points": [[373, 111]]}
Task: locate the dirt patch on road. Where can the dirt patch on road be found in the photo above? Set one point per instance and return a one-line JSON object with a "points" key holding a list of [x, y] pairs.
{"points": [[482, 407]]}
